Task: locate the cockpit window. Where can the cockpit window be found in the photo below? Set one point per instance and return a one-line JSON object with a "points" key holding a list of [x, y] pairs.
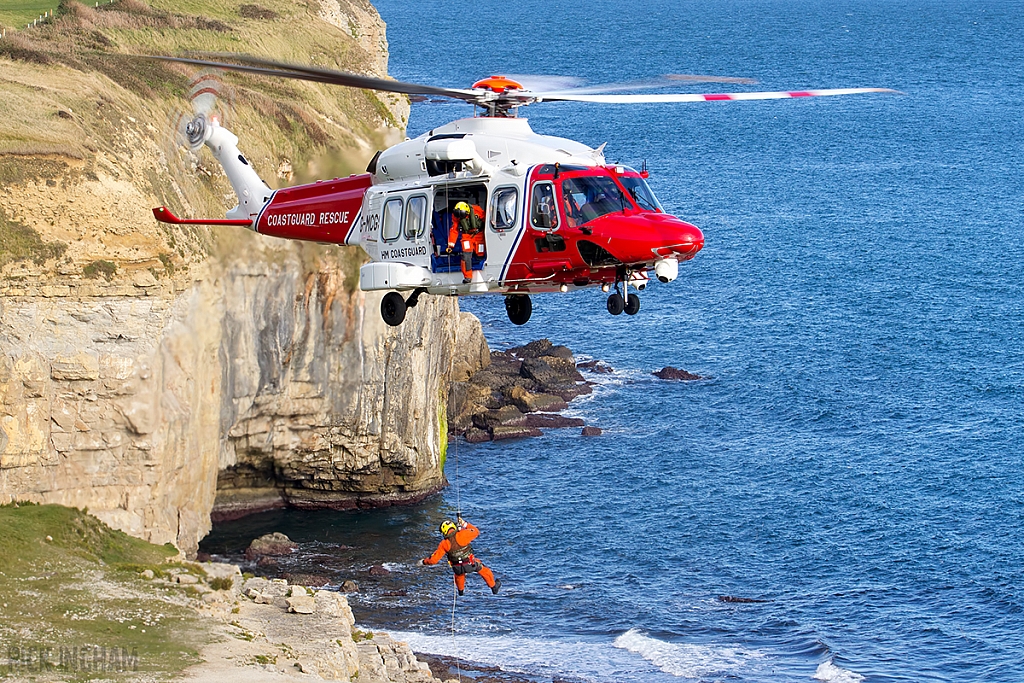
{"points": [[590, 197], [542, 211], [641, 193]]}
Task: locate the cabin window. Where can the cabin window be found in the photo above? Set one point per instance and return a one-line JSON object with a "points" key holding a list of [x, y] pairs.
{"points": [[392, 227], [416, 217], [504, 208], [543, 214]]}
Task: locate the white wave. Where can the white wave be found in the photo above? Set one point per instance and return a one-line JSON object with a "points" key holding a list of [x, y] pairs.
{"points": [[687, 660], [594, 661], [394, 566], [830, 673], [632, 657]]}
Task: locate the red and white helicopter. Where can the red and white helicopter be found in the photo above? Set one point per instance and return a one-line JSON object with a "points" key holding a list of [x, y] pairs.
{"points": [[558, 216]]}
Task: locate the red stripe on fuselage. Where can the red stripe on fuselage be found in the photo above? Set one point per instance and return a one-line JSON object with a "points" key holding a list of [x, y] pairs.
{"points": [[720, 96]]}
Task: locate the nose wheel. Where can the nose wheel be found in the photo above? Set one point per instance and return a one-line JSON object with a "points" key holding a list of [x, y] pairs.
{"points": [[632, 306], [617, 304]]}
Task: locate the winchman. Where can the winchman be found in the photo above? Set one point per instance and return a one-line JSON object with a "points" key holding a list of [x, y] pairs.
{"points": [[467, 229], [460, 554]]}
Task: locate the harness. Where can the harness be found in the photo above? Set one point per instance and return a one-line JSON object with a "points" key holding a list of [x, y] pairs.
{"points": [[461, 559]]}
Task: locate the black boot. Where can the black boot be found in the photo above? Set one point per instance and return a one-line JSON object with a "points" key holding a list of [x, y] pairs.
{"points": [[496, 586]]}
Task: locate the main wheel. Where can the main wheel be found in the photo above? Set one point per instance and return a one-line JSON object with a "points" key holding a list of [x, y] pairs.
{"points": [[392, 309], [615, 303], [632, 304], [519, 308]]}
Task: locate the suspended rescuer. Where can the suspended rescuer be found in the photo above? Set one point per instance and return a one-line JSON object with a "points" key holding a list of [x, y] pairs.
{"points": [[467, 228], [455, 545]]}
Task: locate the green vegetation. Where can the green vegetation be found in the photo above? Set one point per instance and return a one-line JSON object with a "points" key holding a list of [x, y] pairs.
{"points": [[358, 635], [101, 267], [73, 600], [442, 424], [221, 583], [19, 170], [17, 13], [19, 242]]}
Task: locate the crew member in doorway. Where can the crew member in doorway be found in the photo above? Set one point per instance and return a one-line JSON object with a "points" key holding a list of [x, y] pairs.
{"points": [[460, 555], [467, 228]]}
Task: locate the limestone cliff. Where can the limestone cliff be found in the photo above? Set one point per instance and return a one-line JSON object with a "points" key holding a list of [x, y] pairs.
{"points": [[139, 362]]}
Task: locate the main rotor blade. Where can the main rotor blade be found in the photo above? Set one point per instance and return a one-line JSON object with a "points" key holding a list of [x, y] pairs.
{"points": [[665, 81], [266, 67], [543, 86], [707, 97]]}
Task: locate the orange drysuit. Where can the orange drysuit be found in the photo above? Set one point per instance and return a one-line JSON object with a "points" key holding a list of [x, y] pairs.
{"points": [[472, 238], [461, 558]]}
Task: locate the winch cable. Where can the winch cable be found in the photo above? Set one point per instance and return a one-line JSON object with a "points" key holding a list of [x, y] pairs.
{"points": [[458, 492], [455, 649]]}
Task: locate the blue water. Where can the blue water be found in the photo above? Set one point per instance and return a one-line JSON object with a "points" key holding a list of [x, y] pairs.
{"points": [[854, 458]]}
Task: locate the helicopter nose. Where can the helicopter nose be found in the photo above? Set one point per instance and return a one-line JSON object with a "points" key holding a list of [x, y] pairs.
{"points": [[642, 238], [690, 241]]}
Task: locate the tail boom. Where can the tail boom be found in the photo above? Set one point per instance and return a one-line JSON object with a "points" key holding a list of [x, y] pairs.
{"points": [[325, 211]]}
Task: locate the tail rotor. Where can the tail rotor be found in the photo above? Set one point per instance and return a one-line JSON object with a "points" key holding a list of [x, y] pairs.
{"points": [[210, 102]]}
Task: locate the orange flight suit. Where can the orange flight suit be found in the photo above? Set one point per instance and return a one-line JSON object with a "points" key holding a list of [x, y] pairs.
{"points": [[472, 238], [463, 537]]}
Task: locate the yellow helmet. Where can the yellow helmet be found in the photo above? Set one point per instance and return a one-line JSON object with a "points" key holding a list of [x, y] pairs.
{"points": [[461, 209], [447, 527]]}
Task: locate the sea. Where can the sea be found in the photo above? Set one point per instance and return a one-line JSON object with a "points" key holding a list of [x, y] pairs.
{"points": [[841, 497]]}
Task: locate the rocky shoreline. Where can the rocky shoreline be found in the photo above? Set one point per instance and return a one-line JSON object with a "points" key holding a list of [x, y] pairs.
{"points": [[270, 627], [519, 392], [274, 628]]}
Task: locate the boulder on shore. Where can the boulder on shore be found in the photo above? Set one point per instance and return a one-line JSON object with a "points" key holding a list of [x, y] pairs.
{"points": [[270, 544]]}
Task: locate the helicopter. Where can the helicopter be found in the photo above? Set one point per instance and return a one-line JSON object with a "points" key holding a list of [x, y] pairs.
{"points": [[557, 215]]}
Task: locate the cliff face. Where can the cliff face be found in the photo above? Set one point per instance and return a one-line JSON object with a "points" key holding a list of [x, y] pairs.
{"points": [[324, 404], [139, 363]]}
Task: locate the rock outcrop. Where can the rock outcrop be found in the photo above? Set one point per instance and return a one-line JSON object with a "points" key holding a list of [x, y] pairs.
{"points": [[669, 372], [517, 393], [322, 637]]}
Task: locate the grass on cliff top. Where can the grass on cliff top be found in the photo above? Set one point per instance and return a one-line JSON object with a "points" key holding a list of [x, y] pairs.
{"points": [[74, 606], [17, 13], [301, 120]]}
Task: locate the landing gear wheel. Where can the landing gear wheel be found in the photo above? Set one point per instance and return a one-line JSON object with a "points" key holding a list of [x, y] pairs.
{"points": [[615, 304], [632, 304], [519, 308], [392, 309]]}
